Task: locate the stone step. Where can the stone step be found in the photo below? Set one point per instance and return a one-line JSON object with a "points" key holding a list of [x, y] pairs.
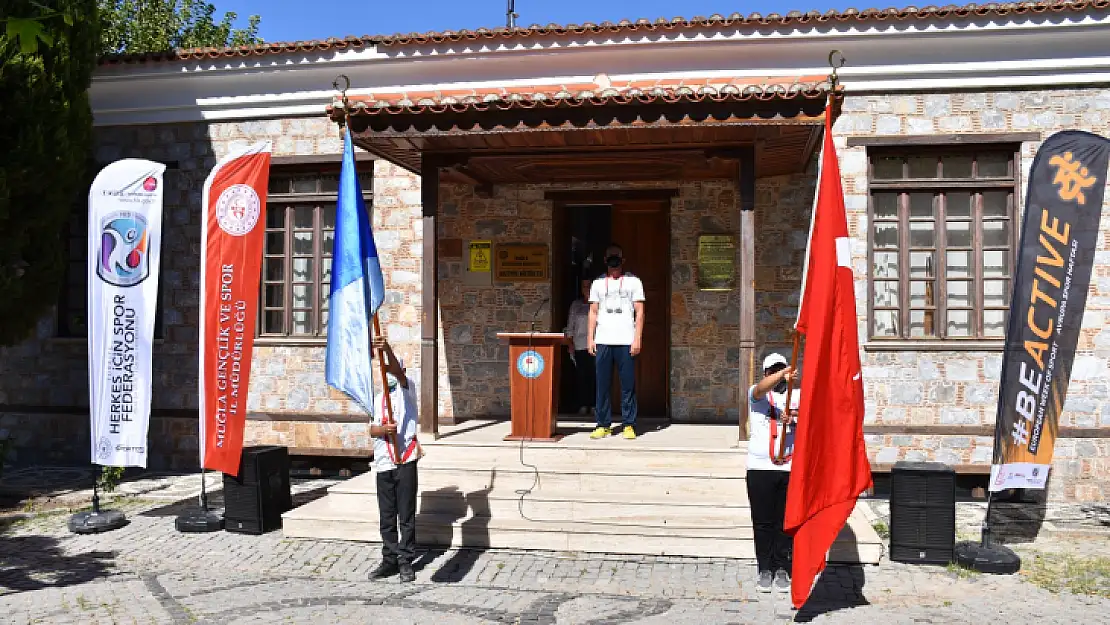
{"points": [[559, 509], [321, 520], [595, 455], [730, 487]]}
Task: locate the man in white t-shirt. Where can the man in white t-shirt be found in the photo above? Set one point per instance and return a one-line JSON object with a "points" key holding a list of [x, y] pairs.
{"points": [[396, 452], [769, 471], [616, 327]]}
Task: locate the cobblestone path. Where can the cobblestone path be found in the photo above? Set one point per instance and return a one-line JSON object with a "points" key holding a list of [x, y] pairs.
{"points": [[149, 573]]}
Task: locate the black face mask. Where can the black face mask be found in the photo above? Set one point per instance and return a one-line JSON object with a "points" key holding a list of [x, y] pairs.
{"points": [[613, 261], [780, 387]]}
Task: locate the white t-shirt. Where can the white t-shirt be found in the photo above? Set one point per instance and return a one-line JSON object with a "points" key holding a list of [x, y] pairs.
{"points": [[578, 324], [759, 429], [616, 320], [405, 414]]}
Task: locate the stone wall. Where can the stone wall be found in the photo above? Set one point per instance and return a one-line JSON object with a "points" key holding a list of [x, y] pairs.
{"points": [[953, 388]]}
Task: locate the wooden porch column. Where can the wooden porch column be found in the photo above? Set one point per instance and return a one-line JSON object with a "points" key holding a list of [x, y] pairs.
{"points": [[746, 280], [429, 300]]}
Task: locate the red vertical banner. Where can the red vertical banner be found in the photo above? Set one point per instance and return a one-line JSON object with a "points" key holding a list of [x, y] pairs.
{"points": [[232, 235]]}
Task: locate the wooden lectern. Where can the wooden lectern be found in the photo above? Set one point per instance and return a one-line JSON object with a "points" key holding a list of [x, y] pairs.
{"points": [[534, 382]]}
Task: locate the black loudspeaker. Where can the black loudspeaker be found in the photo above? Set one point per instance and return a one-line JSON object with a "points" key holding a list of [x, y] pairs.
{"points": [[922, 513], [254, 501]]}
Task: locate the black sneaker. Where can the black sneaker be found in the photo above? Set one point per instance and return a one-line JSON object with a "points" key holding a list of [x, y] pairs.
{"points": [[384, 570], [407, 574], [763, 583]]}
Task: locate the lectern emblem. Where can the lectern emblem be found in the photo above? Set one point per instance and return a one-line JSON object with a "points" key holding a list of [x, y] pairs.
{"points": [[530, 364]]}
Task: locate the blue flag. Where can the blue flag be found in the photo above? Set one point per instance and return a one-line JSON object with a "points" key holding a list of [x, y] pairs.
{"points": [[357, 290]]}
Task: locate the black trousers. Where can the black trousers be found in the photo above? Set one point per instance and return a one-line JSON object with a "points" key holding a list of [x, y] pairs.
{"points": [[584, 373], [774, 550], [397, 506]]}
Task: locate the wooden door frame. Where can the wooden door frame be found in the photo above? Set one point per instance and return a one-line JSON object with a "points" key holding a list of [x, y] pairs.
{"points": [[562, 200]]}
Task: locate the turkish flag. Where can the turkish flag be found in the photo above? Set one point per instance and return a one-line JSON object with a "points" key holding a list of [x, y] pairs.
{"points": [[830, 467]]}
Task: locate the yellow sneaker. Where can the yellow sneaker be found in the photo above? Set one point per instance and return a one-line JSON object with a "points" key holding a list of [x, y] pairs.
{"points": [[629, 433], [600, 433]]}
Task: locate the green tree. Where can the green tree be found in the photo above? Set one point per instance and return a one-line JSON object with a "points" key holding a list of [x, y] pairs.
{"points": [[48, 50], [135, 26]]}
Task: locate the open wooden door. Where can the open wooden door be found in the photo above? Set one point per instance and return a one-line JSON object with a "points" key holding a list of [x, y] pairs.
{"points": [[642, 229]]}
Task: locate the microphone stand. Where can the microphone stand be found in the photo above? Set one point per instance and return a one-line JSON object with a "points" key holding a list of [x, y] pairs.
{"points": [[531, 334]]}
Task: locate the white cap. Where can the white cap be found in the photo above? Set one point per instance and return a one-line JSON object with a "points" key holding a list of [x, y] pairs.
{"points": [[773, 359]]}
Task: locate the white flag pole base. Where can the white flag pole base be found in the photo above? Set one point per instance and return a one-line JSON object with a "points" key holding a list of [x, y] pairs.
{"points": [[200, 520], [96, 521]]}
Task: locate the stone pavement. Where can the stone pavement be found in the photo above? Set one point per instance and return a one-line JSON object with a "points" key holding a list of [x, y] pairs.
{"points": [[149, 573]]}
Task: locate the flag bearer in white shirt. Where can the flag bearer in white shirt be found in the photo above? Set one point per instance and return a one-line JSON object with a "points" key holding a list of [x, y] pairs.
{"points": [[615, 333], [396, 473], [768, 474]]}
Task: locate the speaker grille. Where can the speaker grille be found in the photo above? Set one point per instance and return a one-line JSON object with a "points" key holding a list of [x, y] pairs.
{"points": [[922, 512], [254, 501]]}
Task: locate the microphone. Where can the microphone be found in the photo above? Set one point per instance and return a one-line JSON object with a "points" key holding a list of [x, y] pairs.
{"points": [[535, 314]]}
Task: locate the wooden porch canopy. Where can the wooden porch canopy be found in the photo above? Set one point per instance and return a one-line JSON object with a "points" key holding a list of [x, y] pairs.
{"points": [[630, 130], [738, 128]]}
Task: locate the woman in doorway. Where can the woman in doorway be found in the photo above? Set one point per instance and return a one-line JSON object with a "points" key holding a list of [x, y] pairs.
{"points": [[578, 323]]}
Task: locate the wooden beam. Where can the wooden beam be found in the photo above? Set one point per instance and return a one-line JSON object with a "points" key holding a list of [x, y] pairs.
{"points": [[319, 159], [746, 279], [429, 301], [482, 188], [603, 196], [812, 142], [960, 139]]}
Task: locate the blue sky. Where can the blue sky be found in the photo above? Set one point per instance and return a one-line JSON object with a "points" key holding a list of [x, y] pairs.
{"points": [[289, 20]]}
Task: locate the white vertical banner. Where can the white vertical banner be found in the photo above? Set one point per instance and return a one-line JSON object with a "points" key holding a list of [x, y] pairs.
{"points": [[125, 241]]}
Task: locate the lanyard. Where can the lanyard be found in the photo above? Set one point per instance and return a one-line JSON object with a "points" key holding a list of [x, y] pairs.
{"points": [[773, 427], [620, 285]]}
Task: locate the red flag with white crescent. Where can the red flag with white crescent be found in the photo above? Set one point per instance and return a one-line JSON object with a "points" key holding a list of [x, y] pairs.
{"points": [[830, 467], [232, 236]]}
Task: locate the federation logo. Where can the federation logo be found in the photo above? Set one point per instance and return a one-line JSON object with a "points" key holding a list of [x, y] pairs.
{"points": [[530, 364], [104, 448], [238, 209], [150, 184], [124, 242]]}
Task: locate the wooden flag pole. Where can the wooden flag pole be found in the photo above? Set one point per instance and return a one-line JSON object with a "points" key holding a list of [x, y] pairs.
{"points": [[385, 392], [788, 416]]}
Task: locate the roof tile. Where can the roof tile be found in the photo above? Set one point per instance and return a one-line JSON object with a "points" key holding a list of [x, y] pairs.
{"points": [[661, 24], [618, 91]]}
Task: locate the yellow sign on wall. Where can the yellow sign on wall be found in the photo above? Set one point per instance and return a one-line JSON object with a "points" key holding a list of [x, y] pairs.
{"points": [[716, 262], [480, 256], [521, 263]]}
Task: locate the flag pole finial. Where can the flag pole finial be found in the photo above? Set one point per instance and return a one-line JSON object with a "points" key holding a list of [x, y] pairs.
{"points": [[835, 64], [343, 95]]}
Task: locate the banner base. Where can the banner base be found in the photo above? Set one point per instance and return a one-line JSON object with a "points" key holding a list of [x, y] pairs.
{"points": [[96, 522], [992, 558], [199, 522]]}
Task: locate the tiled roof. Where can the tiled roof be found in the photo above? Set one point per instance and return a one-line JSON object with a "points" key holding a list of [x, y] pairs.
{"points": [[793, 18], [579, 94]]}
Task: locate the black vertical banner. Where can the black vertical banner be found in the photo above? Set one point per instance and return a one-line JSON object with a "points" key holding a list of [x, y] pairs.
{"points": [[1059, 235]]}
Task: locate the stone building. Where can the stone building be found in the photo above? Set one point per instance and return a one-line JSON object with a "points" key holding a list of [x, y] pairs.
{"points": [[652, 133]]}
